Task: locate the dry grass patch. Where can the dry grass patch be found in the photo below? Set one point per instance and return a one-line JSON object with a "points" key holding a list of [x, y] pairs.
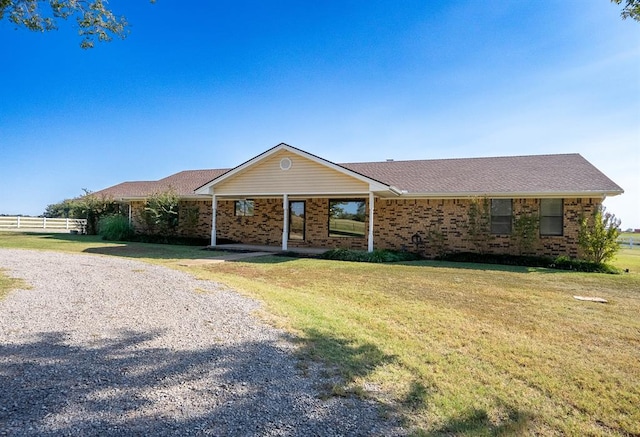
{"points": [[8, 283]]}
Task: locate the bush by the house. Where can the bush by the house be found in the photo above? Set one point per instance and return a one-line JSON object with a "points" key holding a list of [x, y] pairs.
{"points": [[560, 263], [598, 236], [377, 256], [115, 228]]}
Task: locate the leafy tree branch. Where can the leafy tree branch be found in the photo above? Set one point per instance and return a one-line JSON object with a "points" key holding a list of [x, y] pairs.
{"points": [[96, 21], [631, 9]]}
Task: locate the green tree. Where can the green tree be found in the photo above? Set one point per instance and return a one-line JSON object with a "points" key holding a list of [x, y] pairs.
{"points": [[160, 213], [598, 236], [62, 209], [525, 232], [631, 9], [93, 207], [95, 20], [479, 223]]}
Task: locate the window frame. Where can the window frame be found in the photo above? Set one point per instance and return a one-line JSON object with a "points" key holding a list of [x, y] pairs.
{"points": [[336, 233], [498, 221], [241, 208], [552, 218]]}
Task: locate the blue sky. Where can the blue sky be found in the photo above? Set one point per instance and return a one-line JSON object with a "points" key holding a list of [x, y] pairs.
{"points": [[216, 83]]}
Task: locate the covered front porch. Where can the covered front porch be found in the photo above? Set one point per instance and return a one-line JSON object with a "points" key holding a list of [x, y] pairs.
{"points": [[294, 223], [289, 198]]}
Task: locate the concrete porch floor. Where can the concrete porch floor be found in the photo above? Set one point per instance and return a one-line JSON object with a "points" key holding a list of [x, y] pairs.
{"points": [[272, 249]]}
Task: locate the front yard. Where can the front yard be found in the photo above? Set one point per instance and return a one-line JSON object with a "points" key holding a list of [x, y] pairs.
{"points": [[453, 348]]}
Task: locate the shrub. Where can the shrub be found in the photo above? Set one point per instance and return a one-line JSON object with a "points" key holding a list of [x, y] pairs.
{"points": [[115, 228], [525, 232], [160, 214], [377, 256], [598, 236], [479, 223], [560, 263]]}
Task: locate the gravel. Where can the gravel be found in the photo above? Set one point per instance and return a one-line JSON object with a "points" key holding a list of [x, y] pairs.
{"points": [[110, 346]]}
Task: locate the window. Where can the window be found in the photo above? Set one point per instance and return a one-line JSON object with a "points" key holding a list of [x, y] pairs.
{"points": [[347, 218], [501, 216], [244, 208], [296, 220], [551, 216]]}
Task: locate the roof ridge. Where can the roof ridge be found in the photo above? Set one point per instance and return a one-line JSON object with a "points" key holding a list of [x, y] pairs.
{"points": [[463, 159]]}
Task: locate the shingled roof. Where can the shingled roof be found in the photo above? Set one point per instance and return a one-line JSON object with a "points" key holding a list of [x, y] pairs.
{"points": [[536, 175], [526, 175], [183, 183]]}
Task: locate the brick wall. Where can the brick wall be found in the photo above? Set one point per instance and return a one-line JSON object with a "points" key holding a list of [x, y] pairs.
{"points": [[264, 227], [441, 224]]}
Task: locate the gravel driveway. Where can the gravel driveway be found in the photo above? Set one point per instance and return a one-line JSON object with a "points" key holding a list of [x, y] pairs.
{"points": [[111, 346]]}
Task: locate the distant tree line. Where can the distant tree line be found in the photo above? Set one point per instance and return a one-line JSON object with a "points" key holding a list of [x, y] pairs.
{"points": [[109, 218], [88, 206]]}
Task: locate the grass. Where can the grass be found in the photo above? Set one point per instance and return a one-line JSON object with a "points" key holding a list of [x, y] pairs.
{"points": [[95, 244], [8, 283], [453, 348]]}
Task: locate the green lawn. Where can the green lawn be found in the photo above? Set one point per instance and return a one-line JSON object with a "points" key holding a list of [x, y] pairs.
{"points": [[452, 348]]}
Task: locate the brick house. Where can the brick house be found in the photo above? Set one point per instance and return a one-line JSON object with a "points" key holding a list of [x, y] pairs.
{"points": [[289, 198]]}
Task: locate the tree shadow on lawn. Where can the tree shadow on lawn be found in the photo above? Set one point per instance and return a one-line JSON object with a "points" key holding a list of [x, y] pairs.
{"points": [[476, 422], [345, 359], [125, 385], [154, 251]]}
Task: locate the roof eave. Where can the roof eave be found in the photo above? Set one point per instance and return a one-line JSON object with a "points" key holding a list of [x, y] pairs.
{"points": [[538, 195]]}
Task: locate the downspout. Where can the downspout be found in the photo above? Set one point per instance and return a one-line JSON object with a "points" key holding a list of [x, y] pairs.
{"points": [[285, 226]]}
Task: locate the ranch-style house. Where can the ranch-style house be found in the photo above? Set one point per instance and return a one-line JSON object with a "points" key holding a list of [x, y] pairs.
{"points": [[289, 198]]}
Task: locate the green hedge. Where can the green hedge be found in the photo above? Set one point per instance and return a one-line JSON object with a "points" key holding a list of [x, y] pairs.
{"points": [[115, 228], [377, 256], [560, 263]]}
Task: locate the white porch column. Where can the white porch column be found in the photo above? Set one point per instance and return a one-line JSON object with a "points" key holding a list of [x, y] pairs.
{"points": [[370, 242], [130, 214], [285, 225], [214, 208]]}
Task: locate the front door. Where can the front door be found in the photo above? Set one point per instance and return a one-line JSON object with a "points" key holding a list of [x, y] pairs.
{"points": [[296, 220]]}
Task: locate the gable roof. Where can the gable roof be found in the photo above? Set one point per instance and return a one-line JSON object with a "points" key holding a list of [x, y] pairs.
{"points": [[510, 176], [374, 185]]}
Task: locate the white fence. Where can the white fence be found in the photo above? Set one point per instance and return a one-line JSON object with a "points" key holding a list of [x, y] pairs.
{"points": [[629, 241], [51, 224]]}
